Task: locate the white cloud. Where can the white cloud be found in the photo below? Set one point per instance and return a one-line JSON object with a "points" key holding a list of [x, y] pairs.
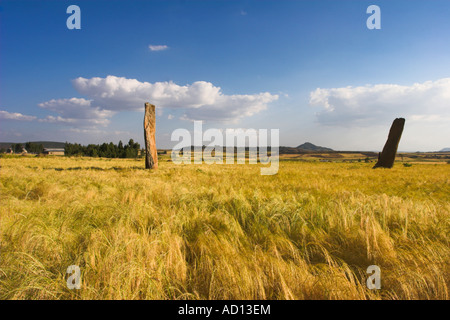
{"points": [[231, 108], [158, 47], [57, 119], [15, 116], [76, 111], [368, 105], [201, 100], [429, 118], [75, 121]]}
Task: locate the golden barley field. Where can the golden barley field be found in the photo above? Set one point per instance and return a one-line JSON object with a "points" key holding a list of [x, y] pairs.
{"points": [[222, 231]]}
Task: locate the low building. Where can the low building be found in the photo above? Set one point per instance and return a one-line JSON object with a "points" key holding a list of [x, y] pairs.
{"points": [[54, 151]]}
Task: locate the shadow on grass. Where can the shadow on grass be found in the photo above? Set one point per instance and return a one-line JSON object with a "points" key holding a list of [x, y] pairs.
{"points": [[96, 168]]}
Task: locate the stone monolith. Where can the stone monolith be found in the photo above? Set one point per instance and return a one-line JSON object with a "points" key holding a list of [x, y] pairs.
{"points": [[151, 154], [387, 156]]}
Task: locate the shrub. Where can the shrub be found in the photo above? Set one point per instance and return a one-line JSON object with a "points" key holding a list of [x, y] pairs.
{"points": [[406, 164]]}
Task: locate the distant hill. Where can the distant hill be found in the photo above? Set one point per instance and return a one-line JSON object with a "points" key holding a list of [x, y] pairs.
{"points": [[445, 150], [47, 144], [307, 146]]}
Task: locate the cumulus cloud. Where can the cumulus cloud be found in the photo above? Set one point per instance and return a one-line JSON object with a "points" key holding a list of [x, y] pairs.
{"points": [[75, 121], [429, 118], [76, 111], [231, 108], [365, 105], [15, 116], [75, 108], [158, 47], [201, 100]]}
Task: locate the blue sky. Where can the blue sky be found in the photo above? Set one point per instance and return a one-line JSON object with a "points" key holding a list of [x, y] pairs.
{"points": [[309, 68]]}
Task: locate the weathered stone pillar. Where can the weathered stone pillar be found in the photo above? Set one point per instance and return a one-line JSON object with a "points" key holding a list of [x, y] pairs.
{"points": [[387, 156], [151, 154]]}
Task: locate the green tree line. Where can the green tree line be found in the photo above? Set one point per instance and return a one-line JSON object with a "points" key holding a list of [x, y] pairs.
{"points": [[29, 146], [105, 150]]}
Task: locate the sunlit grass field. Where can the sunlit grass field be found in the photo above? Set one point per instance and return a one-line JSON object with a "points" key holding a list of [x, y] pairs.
{"points": [[222, 231]]}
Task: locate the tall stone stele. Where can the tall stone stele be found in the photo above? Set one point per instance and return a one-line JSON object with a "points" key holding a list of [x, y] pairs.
{"points": [[387, 156], [151, 154]]}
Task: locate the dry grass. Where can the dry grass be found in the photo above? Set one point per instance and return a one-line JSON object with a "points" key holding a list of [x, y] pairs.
{"points": [[222, 231]]}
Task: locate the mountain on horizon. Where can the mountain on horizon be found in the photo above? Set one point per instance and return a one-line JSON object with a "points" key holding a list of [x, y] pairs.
{"points": [[445, 150], [308, 146]]}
